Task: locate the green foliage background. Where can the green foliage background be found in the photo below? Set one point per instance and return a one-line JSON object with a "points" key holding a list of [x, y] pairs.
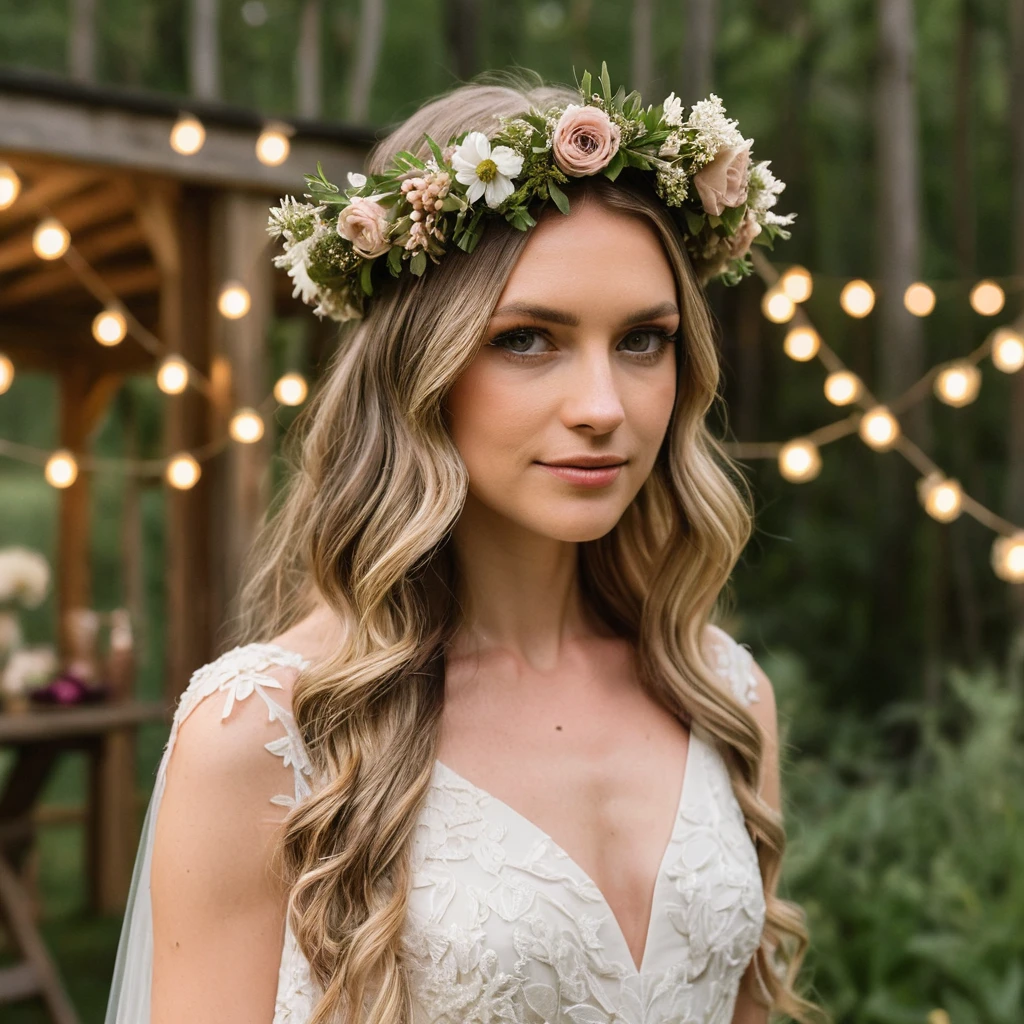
{"points": [[905, 821]]}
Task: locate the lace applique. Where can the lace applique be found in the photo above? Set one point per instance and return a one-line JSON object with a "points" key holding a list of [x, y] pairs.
{"points": [[734, 663]]}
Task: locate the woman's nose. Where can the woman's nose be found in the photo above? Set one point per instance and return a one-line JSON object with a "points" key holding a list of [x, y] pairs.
{"points": [[592, 396]]}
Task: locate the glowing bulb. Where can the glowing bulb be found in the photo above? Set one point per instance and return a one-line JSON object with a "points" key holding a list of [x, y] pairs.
{"points": [[919, 299], [291, 389], [942, 498], [1008, 350], [246, 426], [183, 471], [857, 298], [50, 240], [233, 301], [987, 298], [172, 377], [61, 469], [6, 373], [796, 284], [958, 383], [802, 343], [10, 186], [777, 306], [109, 327], [842, 387], [1008, 557], [272, 147], [187, 135], [799, 460], [879, 428]]}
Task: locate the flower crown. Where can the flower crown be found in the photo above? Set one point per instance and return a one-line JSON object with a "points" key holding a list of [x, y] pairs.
{"points": [[417, 208]]}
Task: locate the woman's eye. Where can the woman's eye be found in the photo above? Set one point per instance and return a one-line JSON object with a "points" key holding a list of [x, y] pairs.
{"points": [[649, 342], [518, 342]]}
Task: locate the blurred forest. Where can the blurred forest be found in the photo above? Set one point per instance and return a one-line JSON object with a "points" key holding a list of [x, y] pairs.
{"points": [[895, 651]]}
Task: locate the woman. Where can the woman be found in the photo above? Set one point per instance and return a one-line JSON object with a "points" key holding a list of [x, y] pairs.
{"points": [[481, 755]]}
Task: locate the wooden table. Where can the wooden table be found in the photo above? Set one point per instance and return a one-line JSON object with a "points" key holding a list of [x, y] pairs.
{"points": [[39, 736]]}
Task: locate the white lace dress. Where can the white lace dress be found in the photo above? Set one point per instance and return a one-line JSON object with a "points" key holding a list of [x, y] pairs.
{"points": [[503, 925]]}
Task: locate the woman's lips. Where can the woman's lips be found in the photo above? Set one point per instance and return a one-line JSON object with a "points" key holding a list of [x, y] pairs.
{"points": [[599, 476]]}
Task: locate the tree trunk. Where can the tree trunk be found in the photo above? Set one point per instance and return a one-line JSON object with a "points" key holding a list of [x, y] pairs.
{"points": [[1015, 476], [698, 63], [371, 34], [82, 41], [642, 63], [462, 32], [204, 50], [308, 87]]}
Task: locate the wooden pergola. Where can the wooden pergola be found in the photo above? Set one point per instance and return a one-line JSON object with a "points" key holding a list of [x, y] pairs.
{"points": [[162, 232]]}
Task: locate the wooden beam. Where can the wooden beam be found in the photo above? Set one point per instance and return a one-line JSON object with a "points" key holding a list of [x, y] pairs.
{"points": [[93, 207], [122, 281], [57, 277], [52, 186]]}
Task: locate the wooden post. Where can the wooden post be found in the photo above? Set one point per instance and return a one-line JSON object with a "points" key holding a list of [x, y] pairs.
{"points": [[241, 380]]}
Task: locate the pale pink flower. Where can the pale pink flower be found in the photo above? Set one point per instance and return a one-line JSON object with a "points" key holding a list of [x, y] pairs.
{"points": [[584, 141], [739, 244], [364, 223], [723, 182]]}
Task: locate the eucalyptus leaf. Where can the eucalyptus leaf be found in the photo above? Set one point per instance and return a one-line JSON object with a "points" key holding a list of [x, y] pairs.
{"points": [[560, 199], [586, 85], [606, 83]]}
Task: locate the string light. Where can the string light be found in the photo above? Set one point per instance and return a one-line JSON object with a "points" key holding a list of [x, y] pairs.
{"points": [[941, 497], [61, 469], [843, 387], [109, 327], [802, 343], [10, 186], [6, 373], [796, 284], [50, 240], [233, 301], [1008, 350], [272, 147], [187, 135], [183, 472], [172, 376], [1008, 557], [777, 306], [246, 426], [987, 298], [857, 298], [958, 383], [879, 429], [799, 460], [291, 389], [919, 299]]}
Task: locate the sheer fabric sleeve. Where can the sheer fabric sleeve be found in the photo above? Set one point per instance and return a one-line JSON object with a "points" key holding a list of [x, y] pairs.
{"points": [[242, 674], [734, 664]]}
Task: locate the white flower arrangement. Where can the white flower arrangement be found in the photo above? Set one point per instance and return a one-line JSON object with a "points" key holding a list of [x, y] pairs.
{"points": [[417, 208], [27, 669], [24, 577]]}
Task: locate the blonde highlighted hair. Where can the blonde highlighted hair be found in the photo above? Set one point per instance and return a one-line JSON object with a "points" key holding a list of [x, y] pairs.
{"points": [[365, 529]]}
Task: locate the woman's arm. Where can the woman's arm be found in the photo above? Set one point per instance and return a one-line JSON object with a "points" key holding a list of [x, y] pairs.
{"points": [[748, 1010], [218, 914]]}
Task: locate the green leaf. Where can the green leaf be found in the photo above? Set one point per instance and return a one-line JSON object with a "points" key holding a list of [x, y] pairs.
{"points": [[364, 277], [606, 83], [450, 203], [631, 104], [586, 85], [410, 158], [395, 260], [615, 165], [620, 95], [732, 217], [418, 263], [561, 200], [436, 150], [694, 221]]}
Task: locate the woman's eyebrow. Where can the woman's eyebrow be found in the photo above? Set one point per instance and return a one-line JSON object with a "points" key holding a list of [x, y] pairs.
{"points": [[557, 316]]}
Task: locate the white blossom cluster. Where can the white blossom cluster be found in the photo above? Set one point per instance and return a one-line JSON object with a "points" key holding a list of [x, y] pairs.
{"points": [[712, 130], [762, 194], [24, 577]]}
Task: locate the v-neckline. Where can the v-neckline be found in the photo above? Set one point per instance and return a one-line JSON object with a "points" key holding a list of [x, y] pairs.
{"points": [[684, 791]]}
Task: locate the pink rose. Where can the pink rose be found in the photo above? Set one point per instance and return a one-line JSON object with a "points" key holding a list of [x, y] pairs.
{"points": [[723, 182], [364, 223], [739, 244], [585, 140]]}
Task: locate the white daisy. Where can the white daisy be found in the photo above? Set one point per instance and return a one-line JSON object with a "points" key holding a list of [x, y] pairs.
{"points": [[355, 179], [488, 172]]}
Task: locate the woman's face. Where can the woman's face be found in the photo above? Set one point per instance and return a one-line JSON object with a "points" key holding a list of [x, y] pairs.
{"points": [[578, 361]]}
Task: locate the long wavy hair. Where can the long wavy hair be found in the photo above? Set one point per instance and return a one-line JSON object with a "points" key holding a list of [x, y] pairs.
{"points": [[365, 529]]}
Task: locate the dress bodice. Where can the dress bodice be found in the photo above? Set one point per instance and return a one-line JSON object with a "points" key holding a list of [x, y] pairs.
{"points": [[503, 925]]}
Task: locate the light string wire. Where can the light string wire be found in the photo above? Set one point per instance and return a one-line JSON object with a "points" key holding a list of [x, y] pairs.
{"points": [[917, 391]]}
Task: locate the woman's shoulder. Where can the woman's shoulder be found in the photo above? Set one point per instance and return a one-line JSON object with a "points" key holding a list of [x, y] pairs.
{"points": [[733, 663]]}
